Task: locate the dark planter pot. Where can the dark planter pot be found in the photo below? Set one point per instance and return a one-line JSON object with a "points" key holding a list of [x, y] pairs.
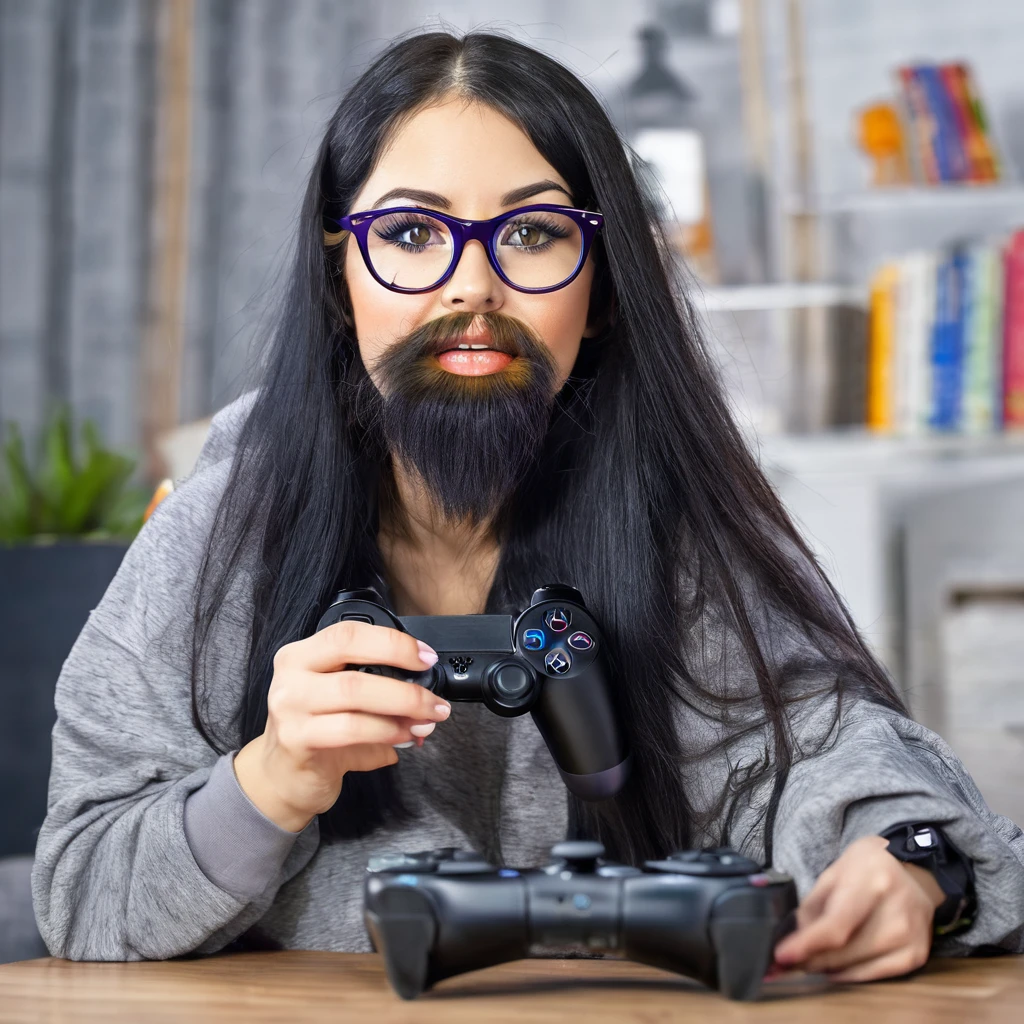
{"points": [[46, 594]]}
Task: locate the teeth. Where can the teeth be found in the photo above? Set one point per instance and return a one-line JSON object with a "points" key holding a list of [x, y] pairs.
{"points": [[464, 347], [478, 346], [474, 347]]}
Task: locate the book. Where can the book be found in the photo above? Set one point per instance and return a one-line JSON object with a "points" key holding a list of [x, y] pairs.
{"points": [[947, 343], [973, 96], [921, 127], [1013, 336], [980, 165], [881, 390], [946, 142], [983, 313], [915, 316]]}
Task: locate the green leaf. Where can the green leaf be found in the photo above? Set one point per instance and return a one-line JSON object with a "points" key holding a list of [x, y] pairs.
{"points": [[92, 500]]}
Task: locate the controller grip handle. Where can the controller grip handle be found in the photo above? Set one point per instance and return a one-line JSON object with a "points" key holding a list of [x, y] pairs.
{"points": [[404, 932]]}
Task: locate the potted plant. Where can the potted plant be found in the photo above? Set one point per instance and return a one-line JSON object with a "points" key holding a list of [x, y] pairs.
{"points": [[65, 524]]}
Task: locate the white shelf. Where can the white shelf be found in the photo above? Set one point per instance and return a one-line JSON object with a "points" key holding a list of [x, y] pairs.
{"points": [[749, 298], [913, 197]]}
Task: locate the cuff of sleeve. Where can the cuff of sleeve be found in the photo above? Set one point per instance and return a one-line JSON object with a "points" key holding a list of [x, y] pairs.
{"points": [[234, 843]]}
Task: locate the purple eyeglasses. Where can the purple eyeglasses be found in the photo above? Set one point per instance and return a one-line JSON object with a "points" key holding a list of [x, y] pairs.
{"points": [[537, 248]]}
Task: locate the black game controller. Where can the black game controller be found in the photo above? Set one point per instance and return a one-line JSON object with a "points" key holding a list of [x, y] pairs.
{"points": [[549, 661], [713, 915]]}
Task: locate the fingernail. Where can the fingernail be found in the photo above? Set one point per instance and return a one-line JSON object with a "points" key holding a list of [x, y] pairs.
{"points": [[444, 710], [403, 746], [422, 730], [427, 653]]}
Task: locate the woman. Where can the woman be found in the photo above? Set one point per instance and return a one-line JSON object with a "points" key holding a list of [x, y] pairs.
{"points": [[458, 426]]}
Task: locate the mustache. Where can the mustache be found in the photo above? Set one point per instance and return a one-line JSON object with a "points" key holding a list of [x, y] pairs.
{"points": [[423, 345]]}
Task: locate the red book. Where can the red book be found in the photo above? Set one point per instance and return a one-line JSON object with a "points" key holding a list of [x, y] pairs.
{"points": [[970, 125], [1013, 336]]}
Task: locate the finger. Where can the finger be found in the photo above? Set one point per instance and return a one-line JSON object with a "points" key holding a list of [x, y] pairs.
{"points": [[890, 965], [330, 692], [350, 729], [846, 910], [878, 935], [357, 643], [809, 910], [368, 757]]}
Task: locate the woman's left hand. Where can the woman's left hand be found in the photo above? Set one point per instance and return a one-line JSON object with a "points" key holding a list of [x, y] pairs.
{"points": [[868, 916]]}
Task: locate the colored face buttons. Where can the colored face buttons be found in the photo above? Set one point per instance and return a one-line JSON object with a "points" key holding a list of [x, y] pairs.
{"points": [[557, 620], [558, 662], [581, 641], [534, 640]]}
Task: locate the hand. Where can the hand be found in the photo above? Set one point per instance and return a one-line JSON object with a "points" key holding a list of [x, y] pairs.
{"points": [[868, 916], [324, 719]]}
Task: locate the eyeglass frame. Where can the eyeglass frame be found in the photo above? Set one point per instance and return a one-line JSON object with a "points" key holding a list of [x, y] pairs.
{"points": [[462, 231]]}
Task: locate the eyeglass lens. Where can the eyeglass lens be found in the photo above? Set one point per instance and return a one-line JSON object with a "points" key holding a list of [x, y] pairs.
{"points": [[538, 249]]}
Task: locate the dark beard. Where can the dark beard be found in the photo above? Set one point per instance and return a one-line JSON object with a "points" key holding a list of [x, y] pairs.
{"points": [[471, 439]]}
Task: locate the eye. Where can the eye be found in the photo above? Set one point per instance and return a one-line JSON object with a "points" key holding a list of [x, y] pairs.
{"points": [[531, 234], [407, 232]]}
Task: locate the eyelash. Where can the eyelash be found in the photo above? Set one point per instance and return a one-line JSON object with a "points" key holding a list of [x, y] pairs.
{"points": [[547, 226]]}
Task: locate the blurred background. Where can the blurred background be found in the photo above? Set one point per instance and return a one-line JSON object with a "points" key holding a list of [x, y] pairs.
{"points": [[843, 180]]}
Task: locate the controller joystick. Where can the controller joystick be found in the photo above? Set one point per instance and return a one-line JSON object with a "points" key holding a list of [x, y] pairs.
{"points": [[548, 660], [436, 914]]}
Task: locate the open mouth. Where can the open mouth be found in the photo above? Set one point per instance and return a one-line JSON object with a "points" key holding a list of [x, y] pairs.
{"points": [[474, 358]]}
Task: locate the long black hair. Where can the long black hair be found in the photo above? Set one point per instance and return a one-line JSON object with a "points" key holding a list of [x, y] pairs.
{"points": [[645, 496]]}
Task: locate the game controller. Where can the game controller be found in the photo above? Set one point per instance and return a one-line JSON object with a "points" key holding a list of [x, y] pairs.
{"points": [[548, 660], [713, 915]]}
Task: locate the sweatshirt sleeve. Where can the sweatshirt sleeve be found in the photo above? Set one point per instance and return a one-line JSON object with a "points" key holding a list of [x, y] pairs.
{"points": [[114, 876], [883, 769], [859, 768]]}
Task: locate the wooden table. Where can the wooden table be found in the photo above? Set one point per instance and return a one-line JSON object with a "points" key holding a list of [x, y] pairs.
{"points": [[335, 987]]}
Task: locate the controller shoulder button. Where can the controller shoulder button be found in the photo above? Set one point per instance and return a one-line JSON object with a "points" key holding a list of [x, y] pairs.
{"points": [[405, 862]]}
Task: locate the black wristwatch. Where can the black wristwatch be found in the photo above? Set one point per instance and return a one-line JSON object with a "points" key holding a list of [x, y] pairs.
{"points": [[928, 847]]}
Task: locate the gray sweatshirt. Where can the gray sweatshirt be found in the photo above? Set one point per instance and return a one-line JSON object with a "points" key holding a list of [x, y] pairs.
{"points": [[150, 849]]}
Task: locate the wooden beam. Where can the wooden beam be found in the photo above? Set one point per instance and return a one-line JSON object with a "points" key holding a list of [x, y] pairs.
{"points": [[163, 336]]}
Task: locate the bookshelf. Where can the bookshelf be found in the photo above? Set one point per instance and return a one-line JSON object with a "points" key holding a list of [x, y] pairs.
{"points": [[912, 198]]}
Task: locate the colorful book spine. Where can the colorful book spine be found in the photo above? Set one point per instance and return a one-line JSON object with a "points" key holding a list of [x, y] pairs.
{"points": [[922, 126], [947, 344], [991, 162], [881, 350], [1013, 336], [980, 165], [983, 310], [949, 151]]}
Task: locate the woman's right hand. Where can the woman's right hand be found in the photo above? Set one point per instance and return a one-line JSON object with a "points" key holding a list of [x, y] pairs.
{"points": [[325, 719]]}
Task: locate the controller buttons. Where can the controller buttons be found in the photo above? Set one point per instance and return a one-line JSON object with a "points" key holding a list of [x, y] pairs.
{"points": [[557, 620], [534, 639], [579, 854], [558, 662], [511, 681], [581, 901], [461, 666], [581, 641]]}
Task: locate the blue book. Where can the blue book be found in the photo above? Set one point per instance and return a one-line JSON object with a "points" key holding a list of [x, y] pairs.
{"points": [[949, 151], [947, 349]]}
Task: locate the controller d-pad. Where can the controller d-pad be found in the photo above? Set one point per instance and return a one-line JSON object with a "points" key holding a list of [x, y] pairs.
{"points": [[581, 641], [557, 620], [534, 639], [558, 662]]}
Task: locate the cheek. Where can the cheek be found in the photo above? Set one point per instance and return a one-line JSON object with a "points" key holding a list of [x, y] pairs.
{"points": [[561, 320], [380, 315]]}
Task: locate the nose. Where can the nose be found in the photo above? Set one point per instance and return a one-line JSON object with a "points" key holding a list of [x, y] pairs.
{"points": [[474, 285]]}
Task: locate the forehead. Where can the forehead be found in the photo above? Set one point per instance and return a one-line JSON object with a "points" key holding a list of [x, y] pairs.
{"points": [[466, 151]]}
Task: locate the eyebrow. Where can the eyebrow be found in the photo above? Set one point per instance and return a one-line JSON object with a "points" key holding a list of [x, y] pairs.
{"points": [[517, 195]]}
